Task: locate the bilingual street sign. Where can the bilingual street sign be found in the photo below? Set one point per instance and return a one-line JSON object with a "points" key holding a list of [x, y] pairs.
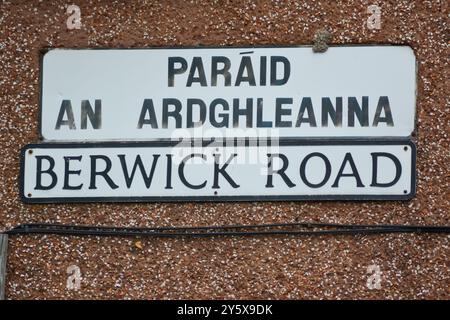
{"points": [[224, 124], [280, 92], [170, 171]]}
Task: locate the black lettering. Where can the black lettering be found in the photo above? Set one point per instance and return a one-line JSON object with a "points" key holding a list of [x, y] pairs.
{"points": [[329, 110], [169, 172], [147, 107], [398, 169], [348, 158], [104, 173], [181, 171], [202, 110], [49, 171], [327, 170], [281, 172], [224, 71], [260, 123], [306, 105], [173, 71], [68, 172], [223, 116], [247, 112], [196, 66], [175, 114], [95, 117], [66, 108], [273, 70], [279, 112], [383, 104], [138, 163], [362, 113], [245, 66], [222, 170], [263, 71]]}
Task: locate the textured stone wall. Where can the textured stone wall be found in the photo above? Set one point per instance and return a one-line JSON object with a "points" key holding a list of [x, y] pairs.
{"points": [[412, 266]]}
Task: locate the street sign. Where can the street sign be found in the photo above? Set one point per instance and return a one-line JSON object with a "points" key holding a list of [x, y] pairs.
{"points": [[167, 94], [170, 171]]}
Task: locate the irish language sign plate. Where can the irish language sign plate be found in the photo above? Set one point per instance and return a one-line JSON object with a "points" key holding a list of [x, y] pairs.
{"points": [[170, 171], [154, 94]]}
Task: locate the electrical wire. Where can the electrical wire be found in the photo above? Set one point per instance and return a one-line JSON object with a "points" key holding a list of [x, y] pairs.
{"points": [[294, 228]]}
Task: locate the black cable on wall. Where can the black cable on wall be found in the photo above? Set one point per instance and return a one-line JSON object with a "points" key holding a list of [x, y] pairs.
{"points": [[298, 229]]}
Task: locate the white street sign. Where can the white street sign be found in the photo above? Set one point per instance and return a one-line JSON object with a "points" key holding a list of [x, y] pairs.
{"points": [[166, 171], [154, 94]]}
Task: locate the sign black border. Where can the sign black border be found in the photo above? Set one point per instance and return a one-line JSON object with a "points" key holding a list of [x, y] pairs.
{"points": [[218, 198]]}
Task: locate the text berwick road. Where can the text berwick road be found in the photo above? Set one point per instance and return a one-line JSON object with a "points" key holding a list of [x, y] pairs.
{"points": [[158, 172]]}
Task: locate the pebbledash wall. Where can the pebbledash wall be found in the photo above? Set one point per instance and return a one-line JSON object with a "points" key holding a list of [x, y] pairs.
{"points": [[406, 265]]}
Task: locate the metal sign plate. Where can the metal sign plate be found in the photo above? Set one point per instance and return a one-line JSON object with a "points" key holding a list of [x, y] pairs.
{"points": [[167, 171], [154, 94]]}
